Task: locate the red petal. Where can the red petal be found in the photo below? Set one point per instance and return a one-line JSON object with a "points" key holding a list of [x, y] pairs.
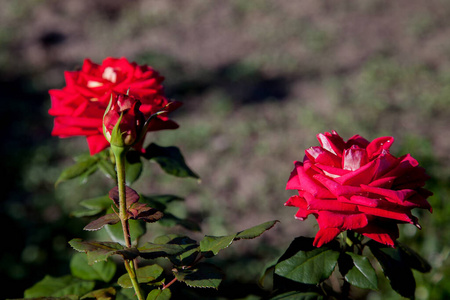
{"points": [[321, 156], [404, 216], [391, 195], [382, 232], [331, 142], [358, 141], [293, 181], [336, 188], [308, 184], [97, 143], [376, 147], [361, 200], [327, 219], [325, 236], [330, 205], [354, 158], [331, 171]]}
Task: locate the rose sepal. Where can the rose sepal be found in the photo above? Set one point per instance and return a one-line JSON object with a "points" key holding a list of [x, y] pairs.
{"points": [[147, 123]]}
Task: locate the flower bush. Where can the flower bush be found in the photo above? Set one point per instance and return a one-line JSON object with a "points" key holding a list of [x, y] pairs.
{"points": [[354, 187], [79, 107], [357, 185]]}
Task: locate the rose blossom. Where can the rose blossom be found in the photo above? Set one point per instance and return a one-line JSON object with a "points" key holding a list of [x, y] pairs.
{"points": [[357, 185], [78, 108]]}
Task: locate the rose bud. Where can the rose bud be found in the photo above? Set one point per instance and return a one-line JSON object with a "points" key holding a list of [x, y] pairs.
{"points": [[123, 121]]}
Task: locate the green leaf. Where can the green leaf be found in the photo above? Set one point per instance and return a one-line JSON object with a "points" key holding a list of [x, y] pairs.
{"points": [[190, 248], [213, 244], [413, 259], [399, 274], [170, 160], [152, 251], [144, 275], [294, 295], [204, 275], [362, 274], [310, 267], [267, 272], [137, 229], [133, 166], [108, 168], [255, 231], [59, 286], [102, 294], [100, 251], [103, 270], [126, 294], [158, 294], [93, 206], [84, 167], [102, 202]]}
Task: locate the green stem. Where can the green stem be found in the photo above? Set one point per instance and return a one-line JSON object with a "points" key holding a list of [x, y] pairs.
{"points": [[120, 168], [129, 265], [119, 154]]}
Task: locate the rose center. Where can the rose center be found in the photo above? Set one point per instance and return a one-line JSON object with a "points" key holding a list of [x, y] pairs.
{"points": [[109, 74]]}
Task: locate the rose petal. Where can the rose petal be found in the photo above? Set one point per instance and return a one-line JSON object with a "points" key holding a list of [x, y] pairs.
{"points": [[97, 143], [336, 188], [361, 200], [293, 181], [310, 185], [343, 221], [376, 147], [404, 216], [330, 204], [321, 156], [325, 236], [354, 158], [331, 142], [358, 141], [382, 232]]}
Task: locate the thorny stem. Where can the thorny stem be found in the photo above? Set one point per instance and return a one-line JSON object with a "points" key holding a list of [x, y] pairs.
{"points": [[119, 153], [170, 283]]}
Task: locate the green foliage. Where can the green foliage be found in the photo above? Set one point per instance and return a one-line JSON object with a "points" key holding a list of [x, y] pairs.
{"points": [[396, 264], [214, 244], [158, 294], [170, 160], [203, 275], [133, 166], [60, 286], [298, 296], [309, 267], [362, 274], [101, 294], [103, 270], [86, 165], [145, 274], [137, 229], [152, 251], [100, 251]]}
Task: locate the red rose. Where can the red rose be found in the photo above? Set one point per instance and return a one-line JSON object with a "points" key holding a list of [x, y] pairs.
{"points": [[79, 107], [357, 185], [125, 111]]}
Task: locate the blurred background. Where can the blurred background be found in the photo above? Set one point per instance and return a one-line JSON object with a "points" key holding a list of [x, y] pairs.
{"points": [[259, 79]]}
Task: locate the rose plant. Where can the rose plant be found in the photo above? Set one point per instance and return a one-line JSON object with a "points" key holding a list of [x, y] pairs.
{"points": [[354, 189], [114, 105]]}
